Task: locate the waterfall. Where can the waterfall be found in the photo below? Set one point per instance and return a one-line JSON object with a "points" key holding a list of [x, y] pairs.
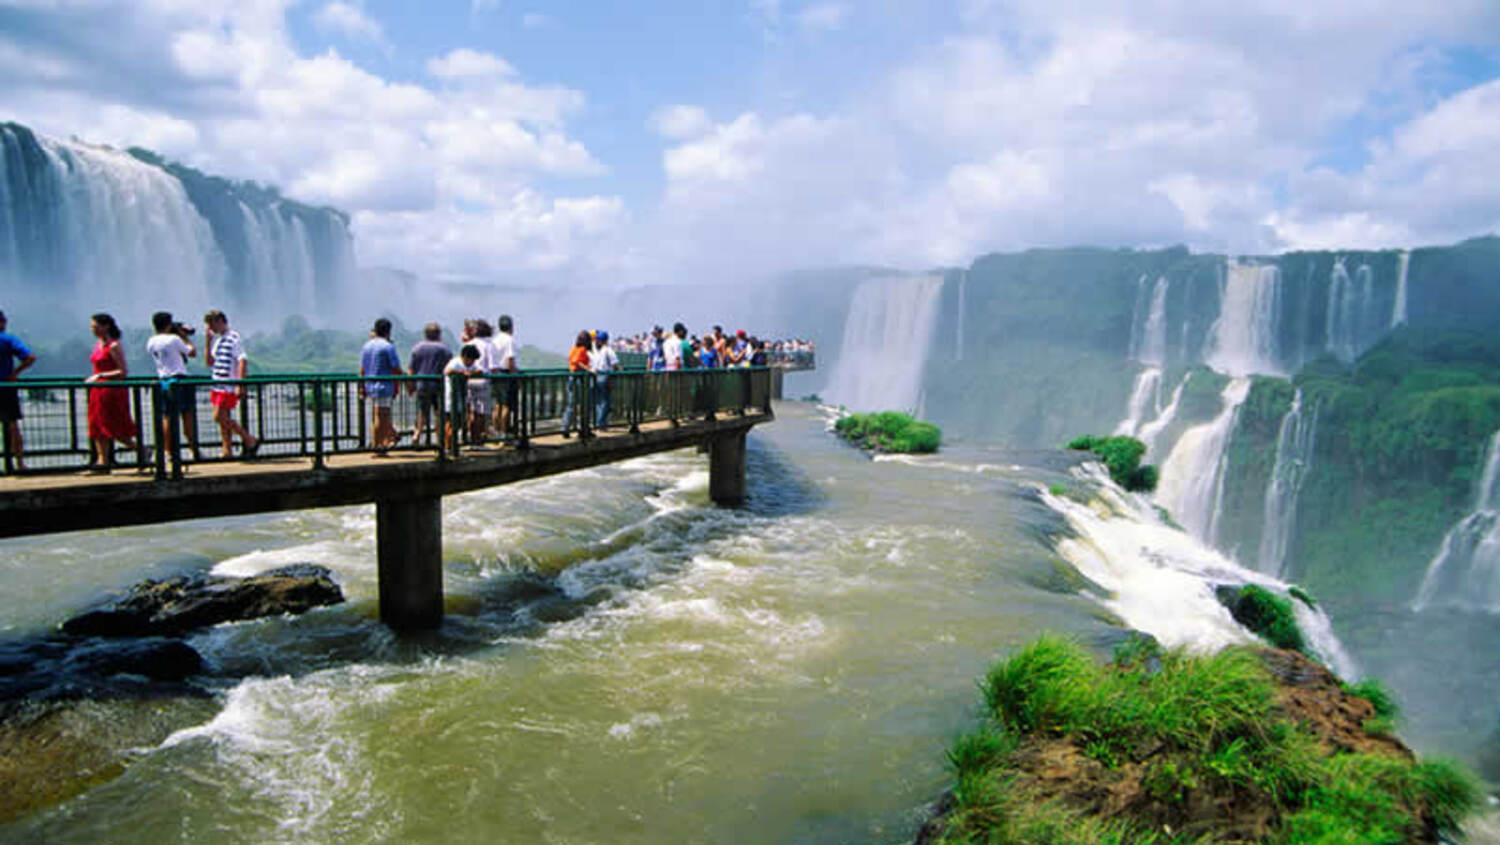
{"points": [[1149, 432], [1398, 308], [1147, 392], [1153, 345], [84, 228], [1192, 477], [886, 339], [1243, 339], [958, 338], [1353, 325], [1294, 451], [1466, 570]]}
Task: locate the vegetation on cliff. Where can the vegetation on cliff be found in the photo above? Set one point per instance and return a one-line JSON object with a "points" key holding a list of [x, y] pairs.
{"points": [[889, 431], [1122, 455], [1243, 746]]}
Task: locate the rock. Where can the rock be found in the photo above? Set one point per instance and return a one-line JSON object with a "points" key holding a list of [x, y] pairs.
{"points": [[156, 658], [64, 668], [181, 604]]}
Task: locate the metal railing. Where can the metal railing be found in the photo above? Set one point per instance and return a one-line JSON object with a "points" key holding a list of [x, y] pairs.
{"points": [[320, 416]]}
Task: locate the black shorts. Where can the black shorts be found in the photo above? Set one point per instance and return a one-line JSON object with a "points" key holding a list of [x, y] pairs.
{"points": [[507, 391], [10, 404], [429, 397], [178, 398]]}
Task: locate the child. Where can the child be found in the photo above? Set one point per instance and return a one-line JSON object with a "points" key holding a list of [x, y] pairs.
{"points": [[476, 395]]}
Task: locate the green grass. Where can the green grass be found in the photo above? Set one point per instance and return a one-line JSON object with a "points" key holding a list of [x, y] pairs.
{"points": [[1270, 617], [1195, 733], [1122, 456], [1375, 692], [889, 431]]}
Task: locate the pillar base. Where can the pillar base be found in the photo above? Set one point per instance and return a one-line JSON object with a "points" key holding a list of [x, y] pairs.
{"points": [[409, 550], [726, 468]]}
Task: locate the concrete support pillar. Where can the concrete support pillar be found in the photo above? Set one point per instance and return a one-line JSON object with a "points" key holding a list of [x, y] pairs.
{"points": [[726, 468], [778, 383], [409, 549]]}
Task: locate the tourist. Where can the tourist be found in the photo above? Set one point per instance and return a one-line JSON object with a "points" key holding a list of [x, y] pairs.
{"points": [[225, 357], [429, 357], [708, 354], [684, 346], [578, 362], [170, 349], [474, 407], [654, 360], [507, 390], [15, 358], [489, 357], [109, 407], [602, 362], [757, 352], [671, 350], [721, 347], [379, 358]]}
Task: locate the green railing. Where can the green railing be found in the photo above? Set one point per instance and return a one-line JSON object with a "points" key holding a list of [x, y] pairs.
{"points": [[319, 416]]}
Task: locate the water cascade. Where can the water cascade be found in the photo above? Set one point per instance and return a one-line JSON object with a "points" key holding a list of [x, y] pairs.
{"points": [[1192, 477], [958, 338], [1243, 339], [1398, 308], [1149, 432], [1148, 345], [1294, 451], [1353, 324], [886, 339], [1466, 570], [1146, 394]]}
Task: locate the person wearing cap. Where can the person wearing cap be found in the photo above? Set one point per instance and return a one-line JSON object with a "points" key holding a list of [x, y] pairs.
{"points": [[602, 362], [655, 353], [737, 351], [15, 358]]}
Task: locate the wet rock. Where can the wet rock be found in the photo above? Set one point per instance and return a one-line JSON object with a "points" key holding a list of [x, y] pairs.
{"points": [[156, 658], [177, 605]]}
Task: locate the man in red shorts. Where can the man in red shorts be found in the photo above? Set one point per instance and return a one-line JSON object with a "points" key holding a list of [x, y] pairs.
{"points": [[226, 359]]}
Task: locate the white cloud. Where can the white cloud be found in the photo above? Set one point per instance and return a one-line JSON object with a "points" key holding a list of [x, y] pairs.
{"points": [[824, 16], [680, 122], [464, 63], [350, 21]]}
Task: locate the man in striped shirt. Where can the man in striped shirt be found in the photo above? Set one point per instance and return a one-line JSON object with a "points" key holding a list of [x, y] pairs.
{"points": [[226, 358]]}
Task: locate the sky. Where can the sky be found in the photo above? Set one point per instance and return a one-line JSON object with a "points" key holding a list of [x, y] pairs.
{"points": [[721, 141]]}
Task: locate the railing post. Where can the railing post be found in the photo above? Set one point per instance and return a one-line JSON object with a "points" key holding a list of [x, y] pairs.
{"points": [[140, 436], [441, 422], [318, 425], [745, 392], [157, 423], [10, 466], [637, 401], [586, 415], [523, 413], [174, 434], [73, 422], [302, 417]]}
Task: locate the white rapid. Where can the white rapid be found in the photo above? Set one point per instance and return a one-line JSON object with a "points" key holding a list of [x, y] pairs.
{"points": [[1352, 324], [1243, 339], [1192, 477], [886, 339], [1145, 397], [1151, 431], [1160, 580], [1466, 570], [1398, 308], [1294, 452]]}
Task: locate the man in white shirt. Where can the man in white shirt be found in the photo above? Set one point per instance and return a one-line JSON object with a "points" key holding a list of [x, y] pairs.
{"points": [[603, 362], [170, 349], [489, 356], [507, 391]]}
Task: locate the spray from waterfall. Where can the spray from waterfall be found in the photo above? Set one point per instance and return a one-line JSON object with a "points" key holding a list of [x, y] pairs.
{"points": [[1466, 570], [887, 336], [1295, 441]]}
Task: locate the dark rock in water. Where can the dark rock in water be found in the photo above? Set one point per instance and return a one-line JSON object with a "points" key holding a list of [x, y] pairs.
{"points": [[156, 658], [181, 604], [63, 668]]}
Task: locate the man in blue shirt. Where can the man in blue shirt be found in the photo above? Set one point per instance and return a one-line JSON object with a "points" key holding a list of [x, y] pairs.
{"points": [[12, 349], [380, 358]]}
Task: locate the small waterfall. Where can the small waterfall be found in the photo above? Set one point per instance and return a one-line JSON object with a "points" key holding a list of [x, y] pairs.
{"points": [[1192, 477], [1149, 432], [1353, 325], [1466, 570], [1153, 345], [886, 339], [1243, 339], [1398, 308], [1294, 451], [1146, 394], [958, 338]]}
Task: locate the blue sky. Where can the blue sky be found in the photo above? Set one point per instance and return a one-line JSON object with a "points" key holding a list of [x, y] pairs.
{"points": [[494, 140]]}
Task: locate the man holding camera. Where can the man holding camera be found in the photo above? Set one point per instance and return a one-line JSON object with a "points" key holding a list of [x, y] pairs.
{"points": [[170, 349], [226, 361]]}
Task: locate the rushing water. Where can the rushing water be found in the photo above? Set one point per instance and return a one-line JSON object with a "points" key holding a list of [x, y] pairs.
{"points": [[1465, 572], [1295, 440], [622, 661], [1192, 476], [887, 336]]}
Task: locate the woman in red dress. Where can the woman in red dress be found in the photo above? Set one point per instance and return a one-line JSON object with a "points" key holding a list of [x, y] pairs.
{"points": [[109, 407]]}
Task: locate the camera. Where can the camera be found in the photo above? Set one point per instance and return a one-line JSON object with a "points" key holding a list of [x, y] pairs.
{"points": [[182, 329]]}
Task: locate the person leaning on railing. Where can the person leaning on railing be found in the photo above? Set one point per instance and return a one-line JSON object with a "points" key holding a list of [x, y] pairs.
{"points": [[15, 358], [379, 358]]}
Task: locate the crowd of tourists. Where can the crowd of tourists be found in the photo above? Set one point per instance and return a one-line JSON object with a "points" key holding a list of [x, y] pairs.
{"points": [[485, 406], [716, 349]]}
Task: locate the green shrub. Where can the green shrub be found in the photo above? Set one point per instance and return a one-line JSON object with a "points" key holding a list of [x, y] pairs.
{"points": [[1122, 456], [1373, 691], [1303, 596], [889, 431], [1269, 616]]}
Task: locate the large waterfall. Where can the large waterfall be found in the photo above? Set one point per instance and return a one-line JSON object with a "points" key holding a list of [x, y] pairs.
{"points": [[1466, 570], [1354, 324], [85, 228], [886, 339], [1244, 337], [1148, 345], [1294, 451], [1192, 478], [1398, 308]]}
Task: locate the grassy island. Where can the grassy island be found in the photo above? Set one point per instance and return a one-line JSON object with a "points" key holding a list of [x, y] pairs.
{"points": [[1243, 746], [889, 431], [1122, 455]]}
